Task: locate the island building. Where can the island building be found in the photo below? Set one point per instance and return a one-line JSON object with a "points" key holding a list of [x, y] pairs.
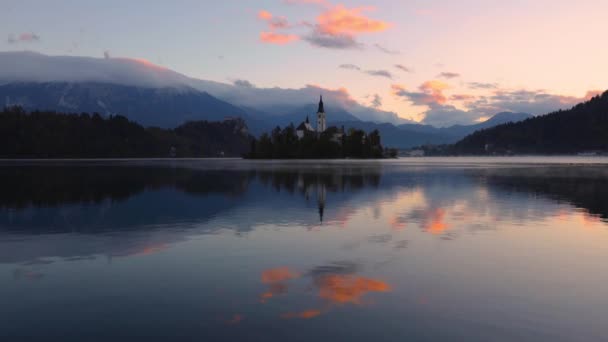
{"points": [[306, 128]]}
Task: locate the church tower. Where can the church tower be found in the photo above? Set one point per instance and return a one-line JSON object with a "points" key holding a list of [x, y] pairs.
{"points": [[321, 123]]}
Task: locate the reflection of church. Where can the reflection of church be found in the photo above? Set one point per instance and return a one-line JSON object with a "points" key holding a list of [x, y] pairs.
{"points": [[321, 194]]}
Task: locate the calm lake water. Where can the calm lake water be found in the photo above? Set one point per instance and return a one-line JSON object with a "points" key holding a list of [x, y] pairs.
{"points": [[493, 249]]}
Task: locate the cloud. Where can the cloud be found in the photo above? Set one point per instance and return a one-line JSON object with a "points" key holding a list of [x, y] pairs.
{"points": [[337, 27], [243, 83], [305, 2], [481, 85], [386, 50], [430, 92], [342, 20], [277, 38], [378, 73], [472, 108], [264, 15], [26, 37], [349, 67], [275, 23], [376, 101], [462, 97], [448, 75], [322, 39], [403, 68]]}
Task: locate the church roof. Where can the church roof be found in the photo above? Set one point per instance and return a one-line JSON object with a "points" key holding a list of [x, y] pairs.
{"points": [[321, 109], [304, 126]]}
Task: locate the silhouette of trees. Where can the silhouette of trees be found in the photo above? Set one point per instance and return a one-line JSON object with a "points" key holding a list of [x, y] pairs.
{"points": [[582, 128], [285, 144], [47, 134]]}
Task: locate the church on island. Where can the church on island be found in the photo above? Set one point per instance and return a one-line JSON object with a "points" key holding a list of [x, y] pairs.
{"points": [[305, 128]]}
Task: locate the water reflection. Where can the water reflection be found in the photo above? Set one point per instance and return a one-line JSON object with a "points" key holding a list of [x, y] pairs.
{"points": [[232, 250], [144, 209]]}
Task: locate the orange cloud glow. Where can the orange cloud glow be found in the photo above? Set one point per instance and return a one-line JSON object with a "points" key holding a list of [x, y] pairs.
{"points": [[144, 62], [278, 38], [264, 15], [342, 289], [341, 20], [434, 89]]}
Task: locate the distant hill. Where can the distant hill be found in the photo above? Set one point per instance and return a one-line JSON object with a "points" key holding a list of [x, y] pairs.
{"points": [[411, 135], [582, 128], [395, 137], [457, 132], [163, 107]]}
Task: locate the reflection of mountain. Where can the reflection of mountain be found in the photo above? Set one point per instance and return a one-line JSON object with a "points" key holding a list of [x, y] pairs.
{"points": [[52, 186]]}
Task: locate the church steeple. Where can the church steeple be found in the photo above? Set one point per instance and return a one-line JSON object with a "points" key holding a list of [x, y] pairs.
{"points": [[321, 123], [321, 109]]}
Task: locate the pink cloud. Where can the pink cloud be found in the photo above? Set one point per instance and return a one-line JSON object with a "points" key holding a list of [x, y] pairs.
{"points": [[264, 15], [342, 20], [278, 38]]}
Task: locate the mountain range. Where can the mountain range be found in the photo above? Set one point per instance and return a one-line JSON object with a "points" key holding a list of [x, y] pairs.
{"points": [[155, 96]]}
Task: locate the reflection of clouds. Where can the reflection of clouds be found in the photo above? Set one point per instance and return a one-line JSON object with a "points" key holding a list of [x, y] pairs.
{"points": [[27, 274], [344, 288], [435, 221], [401, 244], [276, 280], [306, 314], [383, 238], [235, 319], [336, 284]]}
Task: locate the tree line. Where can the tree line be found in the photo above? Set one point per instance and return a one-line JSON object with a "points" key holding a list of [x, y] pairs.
{"points": [[48, 134], [579, 129], [285, 144]]}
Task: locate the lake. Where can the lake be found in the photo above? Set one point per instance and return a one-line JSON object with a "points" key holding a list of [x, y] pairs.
{"points": [[471, 249]]}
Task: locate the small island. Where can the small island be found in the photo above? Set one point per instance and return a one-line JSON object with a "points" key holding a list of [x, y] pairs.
{"points": [[321, 142]]}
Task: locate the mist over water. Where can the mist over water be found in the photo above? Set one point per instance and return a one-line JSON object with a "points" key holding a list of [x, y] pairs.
{"points": [[462, 249]]}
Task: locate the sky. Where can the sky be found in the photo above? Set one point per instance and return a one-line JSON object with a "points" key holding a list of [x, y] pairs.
{"points": [[435, 61]]}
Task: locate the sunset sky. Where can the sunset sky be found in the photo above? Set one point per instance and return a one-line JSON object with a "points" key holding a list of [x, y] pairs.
{"points": [[439, 62]]}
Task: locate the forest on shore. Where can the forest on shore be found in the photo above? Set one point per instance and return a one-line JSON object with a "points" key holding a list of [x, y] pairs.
{"points": [[583, 128], [48, 134]]}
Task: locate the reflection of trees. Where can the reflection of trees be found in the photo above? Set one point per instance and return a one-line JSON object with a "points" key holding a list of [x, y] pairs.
{"points": [[334, 180], [46, 186], [583, 187], [319, 182]]}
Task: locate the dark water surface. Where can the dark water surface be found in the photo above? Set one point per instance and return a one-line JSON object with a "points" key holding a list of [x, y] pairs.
{"points": [[205, 250]]}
